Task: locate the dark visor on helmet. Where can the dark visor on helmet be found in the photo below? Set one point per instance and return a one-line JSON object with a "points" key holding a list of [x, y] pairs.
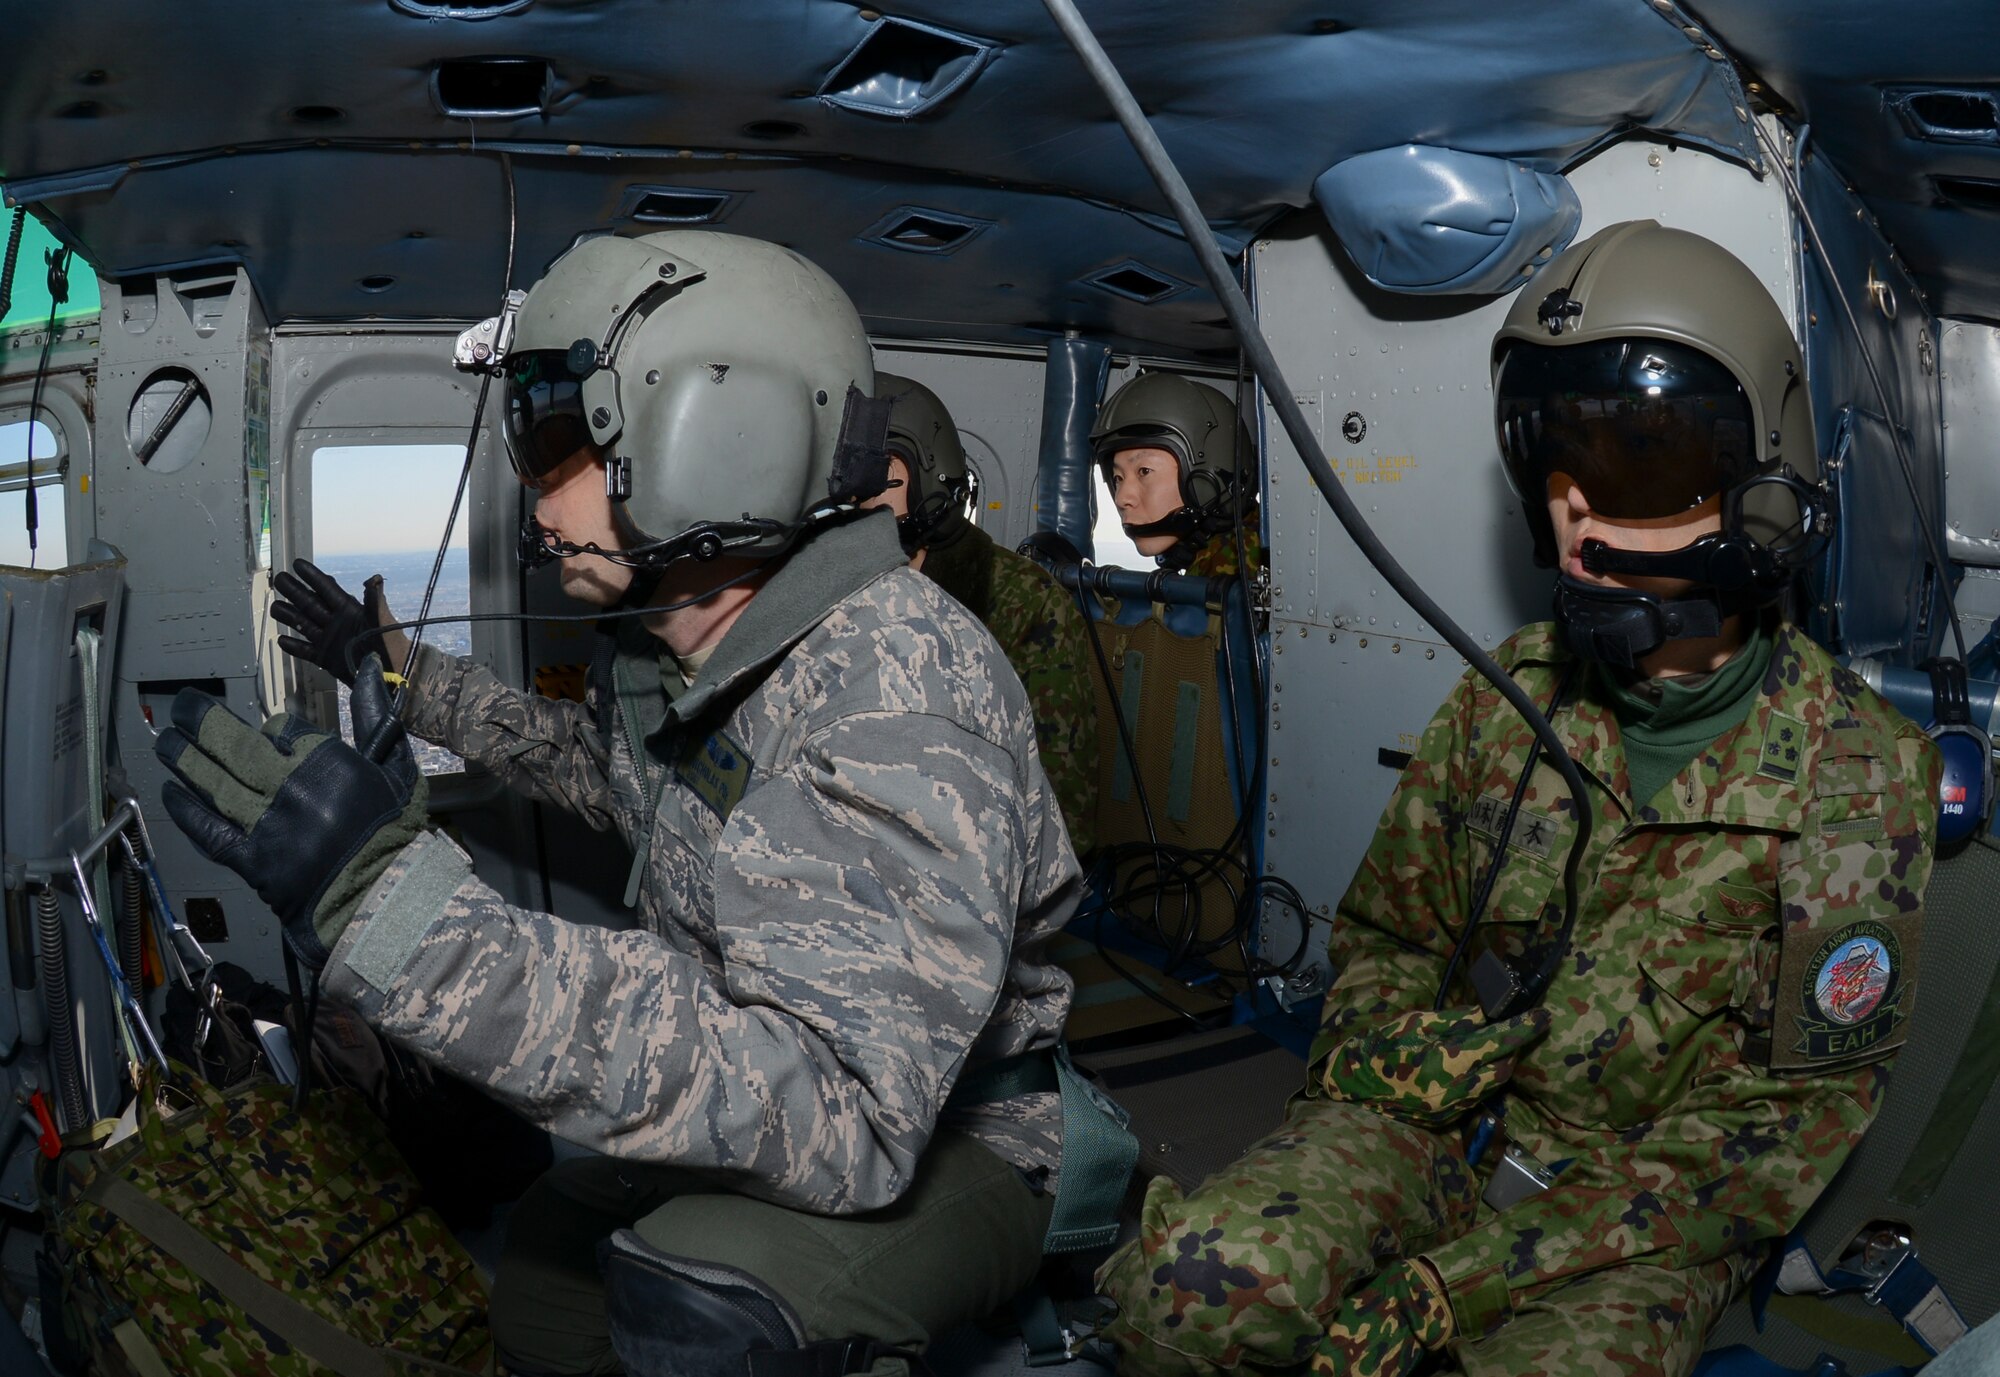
{"points": [[545, 422], [1647, 428]]}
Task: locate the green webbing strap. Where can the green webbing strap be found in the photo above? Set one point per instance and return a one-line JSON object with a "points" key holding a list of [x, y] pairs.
{"points": [[1957, 1108], [1042, 1335], [317, 1339], [138, 1349], [1872, 1334], [1187, 729], [1098, 1155], [1025, 1073], [1130, 690]]}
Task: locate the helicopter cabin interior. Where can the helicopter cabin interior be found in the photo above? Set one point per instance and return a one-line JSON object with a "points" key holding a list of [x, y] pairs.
{"points": [[245, 243]]}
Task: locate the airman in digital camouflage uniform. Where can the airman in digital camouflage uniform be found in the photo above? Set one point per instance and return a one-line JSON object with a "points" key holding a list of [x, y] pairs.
{"points": [[1172, 452], [846, 858], [1714, 1031], [1034, 618]]}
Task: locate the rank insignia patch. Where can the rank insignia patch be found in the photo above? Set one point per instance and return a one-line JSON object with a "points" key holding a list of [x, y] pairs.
{"points": [[717, 770], [1784, 739]]}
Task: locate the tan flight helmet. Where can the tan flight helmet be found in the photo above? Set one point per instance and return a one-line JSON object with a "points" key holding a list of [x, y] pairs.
{"points": [[1195, 424], [923, 433], [1654, 368], [725, 380]]}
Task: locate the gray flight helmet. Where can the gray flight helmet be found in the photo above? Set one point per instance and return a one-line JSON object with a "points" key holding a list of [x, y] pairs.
{"points": [[923, 434], [725, 380], [1637, 282], [1195, 424]]}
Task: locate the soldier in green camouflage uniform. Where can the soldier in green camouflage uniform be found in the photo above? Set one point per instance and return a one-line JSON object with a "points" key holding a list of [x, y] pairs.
{"points": [[846, 859], [1035, 619], [1175, 461], [1712, 1038]]}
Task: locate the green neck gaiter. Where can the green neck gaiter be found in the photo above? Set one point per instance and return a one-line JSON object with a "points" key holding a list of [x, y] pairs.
{"points": [[1666, 722]]}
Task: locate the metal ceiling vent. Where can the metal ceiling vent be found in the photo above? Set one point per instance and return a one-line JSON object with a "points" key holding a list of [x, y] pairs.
{"points": [[1135, 281], [459, 9], [902, 68], [917, 229], [1969, 193], [674, 205], [1949, 116], [491, 88]]}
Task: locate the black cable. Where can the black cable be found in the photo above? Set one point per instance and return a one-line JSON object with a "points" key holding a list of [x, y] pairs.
{"points": [[355, 641], [1202, 241], [1937, 554], [471, 449], [12, 258], [58, 261], [1495, 863]]}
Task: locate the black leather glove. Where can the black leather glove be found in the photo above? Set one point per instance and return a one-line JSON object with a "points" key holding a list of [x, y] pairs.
{"points": [[328, 618], [308, 820]]}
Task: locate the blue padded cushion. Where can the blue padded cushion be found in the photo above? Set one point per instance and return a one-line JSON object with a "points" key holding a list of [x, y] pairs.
{"points": [[1434, 220]]}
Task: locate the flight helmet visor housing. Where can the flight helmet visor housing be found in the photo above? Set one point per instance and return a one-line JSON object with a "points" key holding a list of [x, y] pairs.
{"points": [[1195, 424], [1653, 368], [723, 380]]}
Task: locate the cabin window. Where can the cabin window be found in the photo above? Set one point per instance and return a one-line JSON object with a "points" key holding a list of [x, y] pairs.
{"points": [[42, 467], [380, 509]]}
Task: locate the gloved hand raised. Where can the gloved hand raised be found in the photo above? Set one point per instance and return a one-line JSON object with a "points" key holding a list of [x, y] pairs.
{"points": [[1430, 1068], [328, 618], [309, 821], [1385, 1328]]}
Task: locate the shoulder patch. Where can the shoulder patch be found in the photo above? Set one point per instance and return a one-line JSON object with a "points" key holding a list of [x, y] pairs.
{"points": [[717, 770], [1849, 993]]}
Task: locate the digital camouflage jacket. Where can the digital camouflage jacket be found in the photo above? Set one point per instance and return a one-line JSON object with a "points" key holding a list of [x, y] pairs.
{"points": [[1744, 958], [1039, 625], [847, 864]]}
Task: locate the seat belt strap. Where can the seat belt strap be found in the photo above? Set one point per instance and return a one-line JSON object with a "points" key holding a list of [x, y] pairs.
{"points": [[1886, 1271], [1739, 1360]]}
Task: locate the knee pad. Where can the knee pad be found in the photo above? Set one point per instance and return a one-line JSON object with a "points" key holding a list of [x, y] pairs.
{"points": [[674, 1315]]}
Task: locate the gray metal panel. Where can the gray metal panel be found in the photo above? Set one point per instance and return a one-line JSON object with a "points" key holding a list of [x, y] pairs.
{"points": [[46, 813], [997, 402], [1354, 671], [1969, 383], [185, 525]]}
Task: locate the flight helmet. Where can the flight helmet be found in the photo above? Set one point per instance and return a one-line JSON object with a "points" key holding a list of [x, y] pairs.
{"points": [[724, 380], [1651, 367], [921, 431], [1195, 424]]}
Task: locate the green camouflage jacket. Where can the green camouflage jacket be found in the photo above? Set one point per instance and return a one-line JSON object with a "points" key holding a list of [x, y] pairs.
{"points": [[1039, 626], [847, 864], [1744, 957]]}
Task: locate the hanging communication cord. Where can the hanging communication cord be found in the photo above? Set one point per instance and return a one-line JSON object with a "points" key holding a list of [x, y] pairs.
{"points": [[1265, 364], [58, 261], [471, 448], [1937, 554], [13, 258]]}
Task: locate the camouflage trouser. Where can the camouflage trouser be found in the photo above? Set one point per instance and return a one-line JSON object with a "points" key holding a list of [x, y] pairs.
{"points": [[960, 1243], [1244, 1275]]}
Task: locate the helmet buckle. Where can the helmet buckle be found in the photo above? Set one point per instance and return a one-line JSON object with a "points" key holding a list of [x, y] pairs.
{"points": [[617, 477]]}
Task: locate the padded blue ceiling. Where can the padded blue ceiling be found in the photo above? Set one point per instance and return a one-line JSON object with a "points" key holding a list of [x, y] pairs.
{"points": [[302, 139], [1840, 66]]}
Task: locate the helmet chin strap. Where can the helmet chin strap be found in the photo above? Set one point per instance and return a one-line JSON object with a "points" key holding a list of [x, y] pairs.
{"points": [[1181, 523], [1621, 626]]}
